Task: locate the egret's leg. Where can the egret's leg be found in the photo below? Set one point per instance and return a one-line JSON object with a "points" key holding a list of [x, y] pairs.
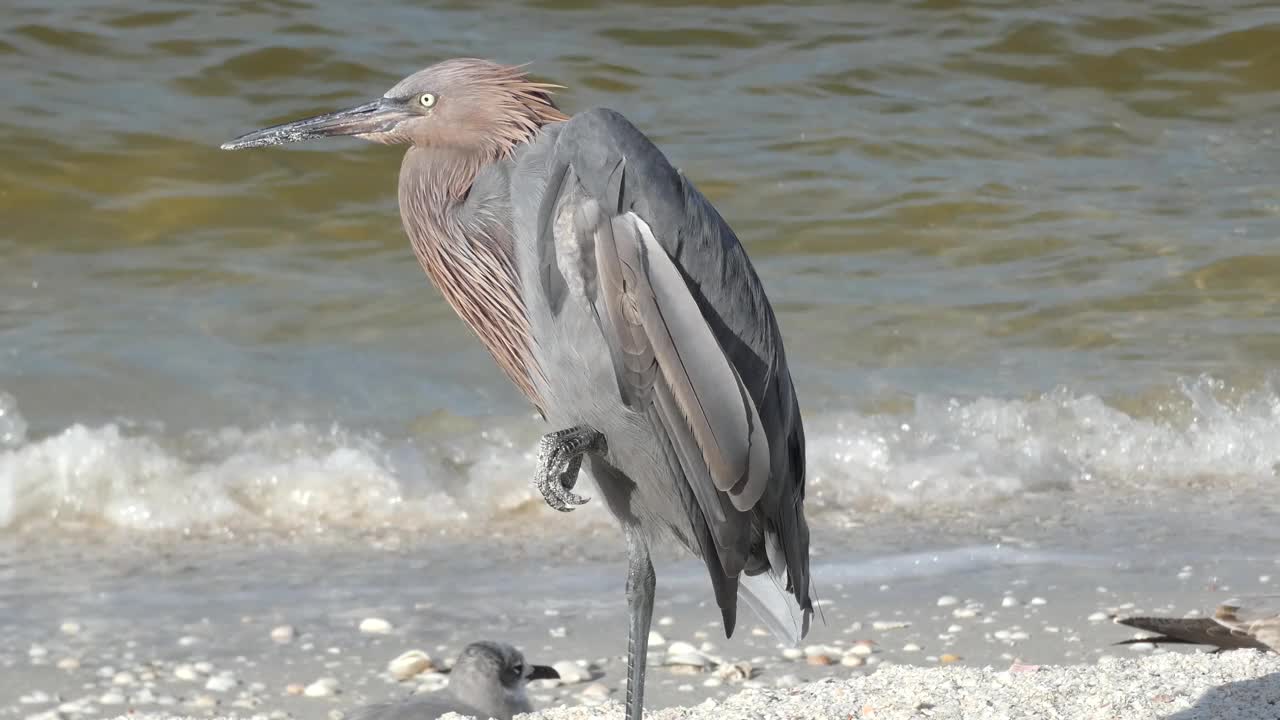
{"points": [[640, 587], [559, 459]]}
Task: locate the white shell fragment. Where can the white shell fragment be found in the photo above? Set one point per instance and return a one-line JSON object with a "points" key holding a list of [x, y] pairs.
{"points": [[375, 626], [409, 664]]}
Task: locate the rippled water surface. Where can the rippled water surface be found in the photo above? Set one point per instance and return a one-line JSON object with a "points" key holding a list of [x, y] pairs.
{"points": [[1019, 251]]}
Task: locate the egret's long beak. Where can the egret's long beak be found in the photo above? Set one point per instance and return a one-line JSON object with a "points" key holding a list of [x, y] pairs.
{"points": [[542, 672], [378, 116]]}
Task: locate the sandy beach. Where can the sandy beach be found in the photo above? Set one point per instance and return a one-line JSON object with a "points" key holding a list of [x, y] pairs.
{"points": [[312, 634], [1241, 685]]}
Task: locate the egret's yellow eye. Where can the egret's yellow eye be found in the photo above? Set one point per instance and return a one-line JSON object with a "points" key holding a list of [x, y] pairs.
{"points": [[427, 100]]}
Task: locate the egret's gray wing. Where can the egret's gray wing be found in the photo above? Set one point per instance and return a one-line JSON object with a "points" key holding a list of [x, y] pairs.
{"points": [[415, 707], [695, 344], [1257, 618], [1188, 631]]}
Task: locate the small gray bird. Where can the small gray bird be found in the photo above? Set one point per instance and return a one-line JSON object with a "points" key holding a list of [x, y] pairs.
{"points": [[1232, 627], [487, 681]]}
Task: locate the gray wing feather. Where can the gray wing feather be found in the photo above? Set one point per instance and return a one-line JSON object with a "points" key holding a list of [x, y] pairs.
{"points": [[649, 351], [655, 306], [553, 283], [633, 355], [706, 511], [698, 275], [414, 707]]}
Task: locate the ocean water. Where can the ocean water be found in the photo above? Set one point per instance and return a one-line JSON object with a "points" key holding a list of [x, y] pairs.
{"points": [[1024, 255]]}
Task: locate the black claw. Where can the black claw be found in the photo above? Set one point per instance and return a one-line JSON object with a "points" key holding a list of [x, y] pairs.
{"points": [[560, 460], [562, 499], [573, 500]]}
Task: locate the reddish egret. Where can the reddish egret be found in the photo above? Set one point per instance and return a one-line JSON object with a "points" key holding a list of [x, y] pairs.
{"points": [[618, 300], [488, 681]]}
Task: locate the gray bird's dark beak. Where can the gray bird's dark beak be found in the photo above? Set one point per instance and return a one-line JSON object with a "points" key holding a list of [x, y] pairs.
{"points": [[542, 672], [378, 116]]}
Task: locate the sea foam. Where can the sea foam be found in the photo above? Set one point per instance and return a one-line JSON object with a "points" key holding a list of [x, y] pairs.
{"points": [[942, 454]]}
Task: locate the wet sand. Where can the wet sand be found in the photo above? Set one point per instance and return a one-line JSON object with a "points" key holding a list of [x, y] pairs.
{"points": [[1242, 685], [307, 631]]}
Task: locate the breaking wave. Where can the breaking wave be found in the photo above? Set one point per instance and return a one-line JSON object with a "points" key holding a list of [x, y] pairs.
{"points": [[940, 454]]}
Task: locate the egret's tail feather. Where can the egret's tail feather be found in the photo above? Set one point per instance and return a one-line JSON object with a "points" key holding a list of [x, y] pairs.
{"points": [[777, 608]]}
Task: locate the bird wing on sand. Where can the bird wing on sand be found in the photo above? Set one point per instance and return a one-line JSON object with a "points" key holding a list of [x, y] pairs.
{"points": [[1259, 619], [689, 328], [415, 707], [1190, 631]]}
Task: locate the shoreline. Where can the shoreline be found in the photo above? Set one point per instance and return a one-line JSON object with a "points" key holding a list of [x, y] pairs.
{"points": [[1241, 685], [272, 622]]}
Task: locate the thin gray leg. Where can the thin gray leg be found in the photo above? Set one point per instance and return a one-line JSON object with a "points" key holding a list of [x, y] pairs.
{"points": [[640, 588], [559, 460]]}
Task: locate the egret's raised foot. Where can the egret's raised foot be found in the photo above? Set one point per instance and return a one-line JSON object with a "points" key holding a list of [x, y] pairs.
{"points": [[557, 487], [559, 459]]}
